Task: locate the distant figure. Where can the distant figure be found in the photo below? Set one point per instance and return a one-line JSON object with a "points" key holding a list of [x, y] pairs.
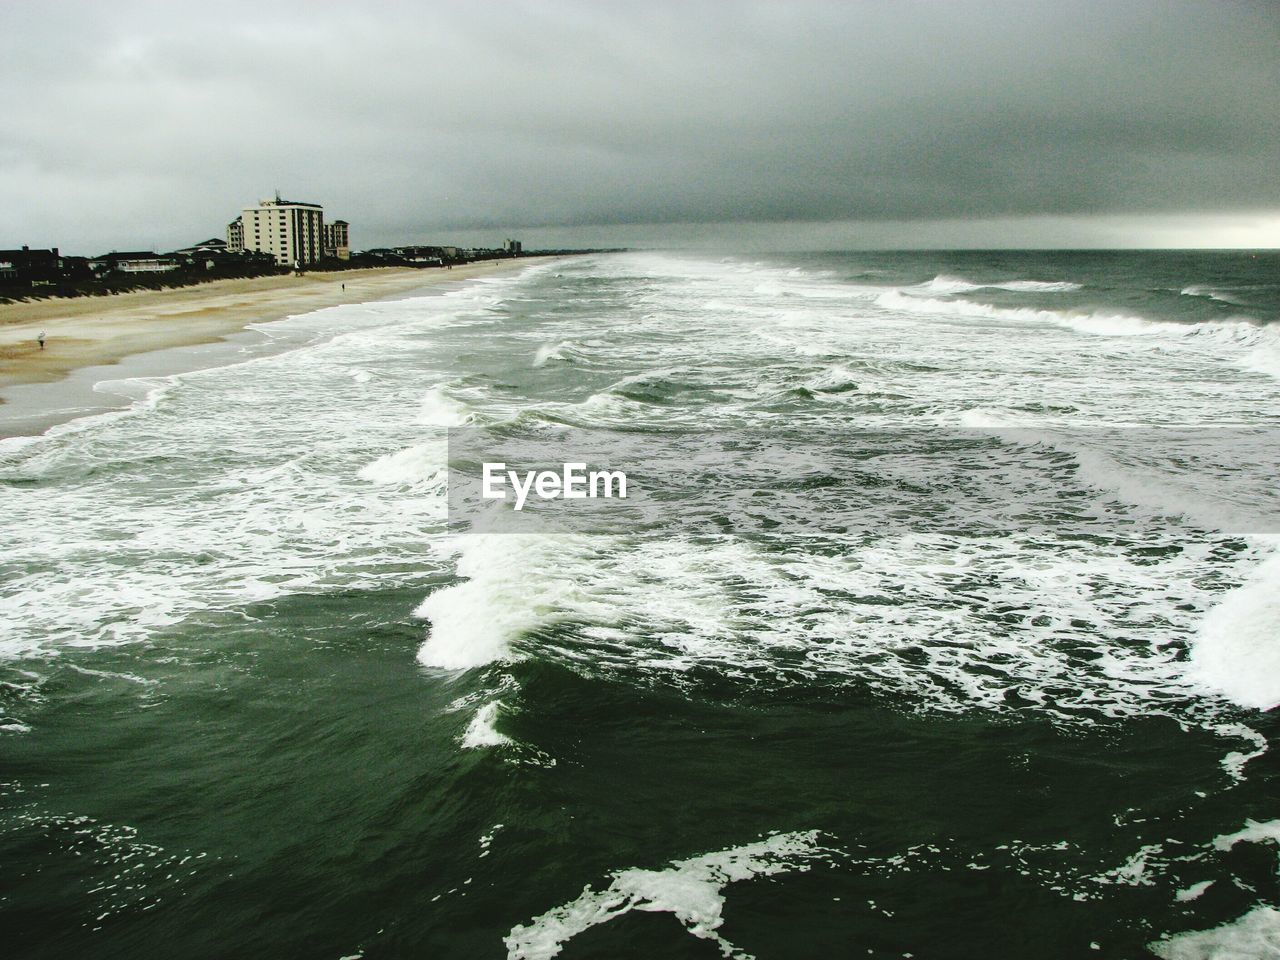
{"points": [[40, 339], [344, 287]]}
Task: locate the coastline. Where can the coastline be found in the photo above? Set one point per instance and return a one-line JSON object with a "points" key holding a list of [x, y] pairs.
{"points": [[155, 333]]}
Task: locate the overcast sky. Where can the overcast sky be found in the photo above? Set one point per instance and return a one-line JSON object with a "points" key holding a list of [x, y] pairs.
{"points": [[130, 125]]}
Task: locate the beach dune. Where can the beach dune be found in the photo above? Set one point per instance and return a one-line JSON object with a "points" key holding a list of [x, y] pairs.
{"points": [[85, 331]]}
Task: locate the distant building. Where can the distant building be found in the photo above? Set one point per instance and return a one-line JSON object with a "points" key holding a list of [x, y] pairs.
{"points": [[513, 247], [30, 268], [214, 254], [211, 246], [291, 231], [337, 240], [140, 261]]}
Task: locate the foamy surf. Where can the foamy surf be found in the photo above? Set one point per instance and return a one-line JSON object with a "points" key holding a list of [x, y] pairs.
{"points": [[1237, 649], [692, 891], [439, 408], [266, 530], [1254, 936], [512, 584]]}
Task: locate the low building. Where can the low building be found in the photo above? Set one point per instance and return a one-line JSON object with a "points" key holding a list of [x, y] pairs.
{"points": [[138, 261], [215, 254]]}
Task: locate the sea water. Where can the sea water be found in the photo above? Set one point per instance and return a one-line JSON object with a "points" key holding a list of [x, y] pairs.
{"points": [[258, 698]]}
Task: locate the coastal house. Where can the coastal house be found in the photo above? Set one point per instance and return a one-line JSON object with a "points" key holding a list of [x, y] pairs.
{"points": [[30, 268], [143, 261], [215, 253]]}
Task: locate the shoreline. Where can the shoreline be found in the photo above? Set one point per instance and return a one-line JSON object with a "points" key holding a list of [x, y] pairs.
{"points": [[157, 333]]}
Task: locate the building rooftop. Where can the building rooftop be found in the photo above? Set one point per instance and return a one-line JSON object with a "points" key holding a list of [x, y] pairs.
{"points": [[277, 202]]}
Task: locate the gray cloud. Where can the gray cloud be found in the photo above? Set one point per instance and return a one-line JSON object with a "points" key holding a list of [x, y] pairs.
{"points": [[133, 124]]}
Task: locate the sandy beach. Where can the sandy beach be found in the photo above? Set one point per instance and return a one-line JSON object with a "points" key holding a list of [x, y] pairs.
{"points": [[86, 331]]}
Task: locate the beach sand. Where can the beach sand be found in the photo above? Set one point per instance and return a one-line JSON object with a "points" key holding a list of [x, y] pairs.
{"points": [[88, 331]]}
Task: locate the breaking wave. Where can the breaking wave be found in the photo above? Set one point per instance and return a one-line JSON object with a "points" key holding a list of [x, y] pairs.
{"points": [[947, 284]]}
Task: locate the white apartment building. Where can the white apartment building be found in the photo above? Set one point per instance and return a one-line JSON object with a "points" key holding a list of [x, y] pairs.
{"points": [[290, 231]]}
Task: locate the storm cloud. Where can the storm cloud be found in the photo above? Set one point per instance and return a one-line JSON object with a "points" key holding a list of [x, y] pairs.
{"points": [[138, 124]]}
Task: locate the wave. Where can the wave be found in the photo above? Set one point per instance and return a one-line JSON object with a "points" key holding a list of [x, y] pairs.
{"points": [[1106, 324], [1211, 293], [1262, 342], [564, 351], [439, 409], [511, 586], [1235, 652], [943, 283], [835, 379], [421, 463]]}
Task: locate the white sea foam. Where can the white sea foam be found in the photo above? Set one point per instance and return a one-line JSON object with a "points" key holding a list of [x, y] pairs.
{"points": [[833, 619], [1211, 293], [1253, 831], [513, 583], [440, 409], [1039, 286], [691, 890], [1254, 936], [1237, 648], [230, 485], [481, 732], [291, 474], [1234, 763], [1193, 892], [1106, 324], [1248, 344], [423, 463]]}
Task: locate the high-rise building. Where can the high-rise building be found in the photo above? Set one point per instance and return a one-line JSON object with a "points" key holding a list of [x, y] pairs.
{"points": [[290, 231], [337, 240]]}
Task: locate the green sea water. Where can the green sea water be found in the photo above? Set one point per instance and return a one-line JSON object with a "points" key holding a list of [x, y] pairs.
{"points": [[258, 700]]}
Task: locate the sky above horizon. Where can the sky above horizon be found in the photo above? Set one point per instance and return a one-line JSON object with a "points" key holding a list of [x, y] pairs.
{"points": [[925, 124]]}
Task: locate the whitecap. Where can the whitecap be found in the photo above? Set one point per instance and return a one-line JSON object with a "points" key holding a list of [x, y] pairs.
{"points": [[481, 731]]}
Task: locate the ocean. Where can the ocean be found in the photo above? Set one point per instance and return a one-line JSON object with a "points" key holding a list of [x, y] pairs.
{"points": [[259, 697]]}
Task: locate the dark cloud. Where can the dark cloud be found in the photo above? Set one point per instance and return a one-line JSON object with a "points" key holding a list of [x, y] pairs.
{"points": [[135, 124]]}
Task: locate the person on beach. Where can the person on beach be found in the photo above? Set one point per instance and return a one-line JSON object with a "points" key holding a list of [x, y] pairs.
{"points": [[344, 288], [40, 339]]}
